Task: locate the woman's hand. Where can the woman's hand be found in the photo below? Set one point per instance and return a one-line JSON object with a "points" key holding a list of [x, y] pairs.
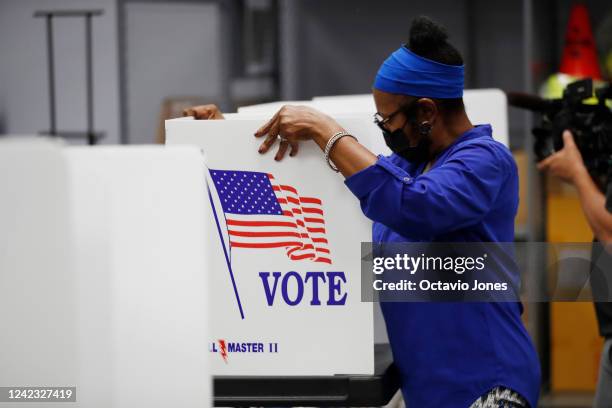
{"points": [[294, 123], [209, 111]]}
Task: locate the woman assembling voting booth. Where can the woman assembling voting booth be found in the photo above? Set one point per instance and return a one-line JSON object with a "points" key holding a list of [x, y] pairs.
{"points": [[447, 181]]}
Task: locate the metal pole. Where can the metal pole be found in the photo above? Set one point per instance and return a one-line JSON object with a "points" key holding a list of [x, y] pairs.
{"points": [[123, 92], [91, 138], [538, 325], [471, 60], [51, 74], [288, 46]]}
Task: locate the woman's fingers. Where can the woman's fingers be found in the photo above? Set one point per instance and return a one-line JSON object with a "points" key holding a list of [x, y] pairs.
{"points": [[273, 132], [265, 129], [282, 149], [209, 111], [282, 125], [267, 144], [295, 145], [203, 113]]}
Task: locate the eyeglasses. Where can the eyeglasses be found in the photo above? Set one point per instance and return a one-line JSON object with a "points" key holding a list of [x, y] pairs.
{"points": [[381, 121]]}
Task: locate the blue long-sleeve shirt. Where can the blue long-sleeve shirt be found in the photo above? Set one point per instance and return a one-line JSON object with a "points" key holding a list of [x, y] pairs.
{"points": [[449, 354]]}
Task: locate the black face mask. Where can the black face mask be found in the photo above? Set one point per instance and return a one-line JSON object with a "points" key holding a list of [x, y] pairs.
{"points": [[399, 144]]}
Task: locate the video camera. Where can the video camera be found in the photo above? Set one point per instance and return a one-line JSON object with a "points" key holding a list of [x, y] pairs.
{"points": [[591, 125]]}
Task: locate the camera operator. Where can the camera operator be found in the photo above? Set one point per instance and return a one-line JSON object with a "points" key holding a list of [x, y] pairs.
{"points": [[568, 165]]}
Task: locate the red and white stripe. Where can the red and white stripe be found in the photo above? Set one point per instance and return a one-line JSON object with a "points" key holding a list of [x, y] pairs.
{"points": [[300, 229]]}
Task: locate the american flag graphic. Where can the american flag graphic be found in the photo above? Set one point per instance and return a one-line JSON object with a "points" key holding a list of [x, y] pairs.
{"points": [[262, 213]]}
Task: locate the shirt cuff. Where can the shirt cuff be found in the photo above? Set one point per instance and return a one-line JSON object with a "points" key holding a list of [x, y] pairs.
{"points": [[364, 181]]}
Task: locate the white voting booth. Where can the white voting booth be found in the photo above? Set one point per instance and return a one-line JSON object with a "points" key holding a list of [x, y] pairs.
{"points": [[283, 257], [102, 286]]}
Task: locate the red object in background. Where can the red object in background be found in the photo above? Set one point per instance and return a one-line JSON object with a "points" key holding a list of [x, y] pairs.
{"points": [[579, 54]]}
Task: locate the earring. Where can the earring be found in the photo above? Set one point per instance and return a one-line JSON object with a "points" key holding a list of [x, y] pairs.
{"points": [[425, 128]]}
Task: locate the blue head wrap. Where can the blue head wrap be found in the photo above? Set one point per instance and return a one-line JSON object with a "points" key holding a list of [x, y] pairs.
{"points": [[407, 73]]}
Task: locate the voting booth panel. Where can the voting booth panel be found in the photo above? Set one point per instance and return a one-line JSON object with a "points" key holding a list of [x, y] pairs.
{"points": [[272, 107], [369, 135], [139, 222], [92, 254], [347, 104], [37, 273], [489, 106], [101, 273], [363, 127], [283, 259]]}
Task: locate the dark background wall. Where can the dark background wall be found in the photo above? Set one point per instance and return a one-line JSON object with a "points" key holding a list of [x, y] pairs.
{"points": [[323, 47]]}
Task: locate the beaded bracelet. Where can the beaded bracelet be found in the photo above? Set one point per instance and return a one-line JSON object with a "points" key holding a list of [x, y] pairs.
{"points": [[330, 144]]}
